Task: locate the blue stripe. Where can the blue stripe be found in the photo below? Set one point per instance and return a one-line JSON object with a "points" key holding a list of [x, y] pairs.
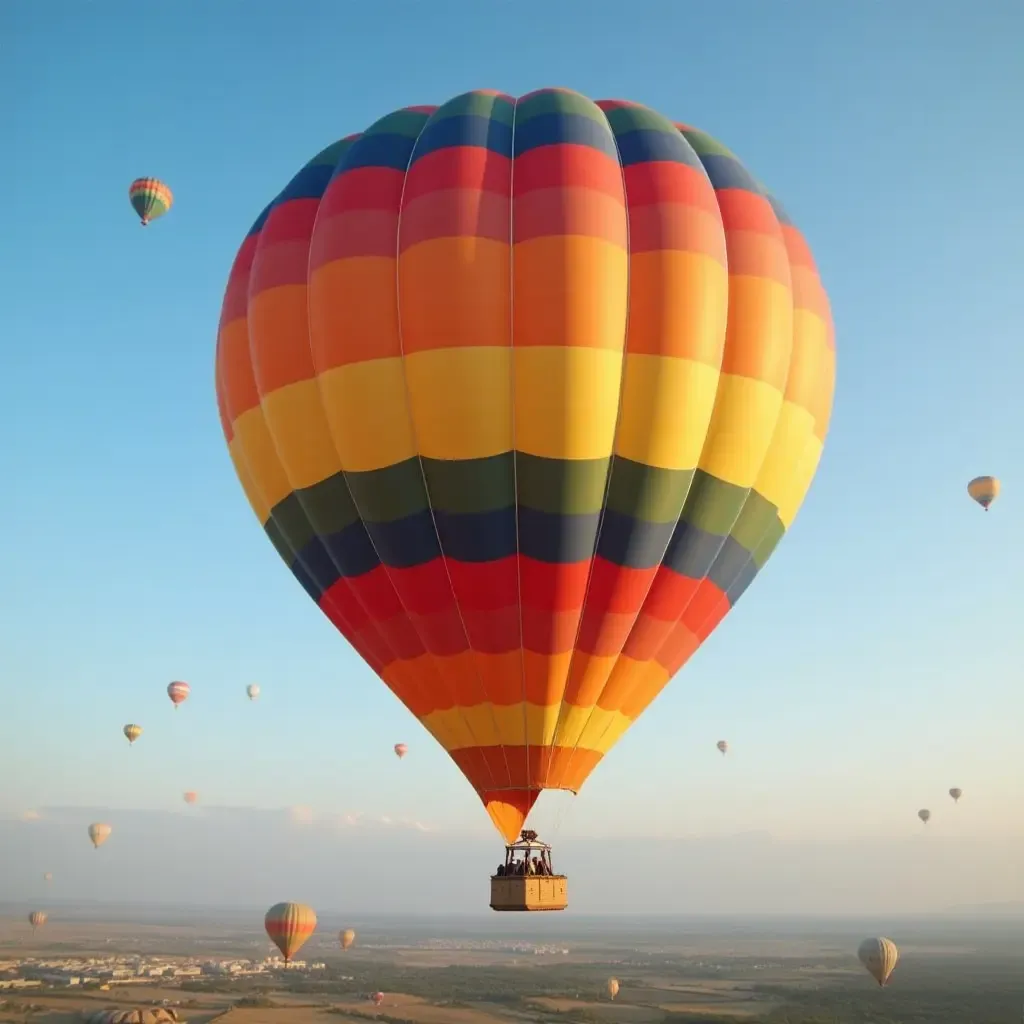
{"points": [[465, 130], [554, 129], [649, 146], [310, 183], [383, 150], [728, 172]]}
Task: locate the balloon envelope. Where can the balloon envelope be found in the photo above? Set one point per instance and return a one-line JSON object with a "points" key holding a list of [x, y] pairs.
{"points": [[924, 814], [613, 987], [346, 938], [252, 691], [722, 746], [150, 198], [879, 957], [289, 925], [132, 732], [525, 412], [401, 750], [956, 792], [37, 918], [984, 490], [99, 833], [191, 797], [178, 692]]}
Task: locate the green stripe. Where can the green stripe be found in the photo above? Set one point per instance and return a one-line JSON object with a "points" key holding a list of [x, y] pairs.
{"points": [[646, 492], [477, 104], [705, 145], [331, 154], [712, 504], [756, 521], [769, 542], [632, 119], [560, 103], [401, 122]]}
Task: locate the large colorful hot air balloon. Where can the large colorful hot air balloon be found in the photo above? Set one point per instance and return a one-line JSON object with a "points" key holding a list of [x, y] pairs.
{"points": [[346, 938], [37, 919], [289, 925], [984, 490], [132, 733], [178, 692], [99, 833], [150, 198], [879, 958], [525, 411]]}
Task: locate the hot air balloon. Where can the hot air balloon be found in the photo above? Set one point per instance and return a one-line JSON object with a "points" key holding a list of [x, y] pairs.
{"points": [[525, 412], [956, 792], [99, 833], [150, 198], [289, 925], [178, 692], [132, 732], [377, 998], [613, 987], [879, 957], [48, 877], [346, 938], [401, 750], [924, 814], [37, 919], [191, 797], [723, 747], [252, 691], [984, 490]]}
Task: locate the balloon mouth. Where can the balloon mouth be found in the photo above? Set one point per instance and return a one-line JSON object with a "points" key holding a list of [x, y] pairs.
{"points": [[508, 809]]}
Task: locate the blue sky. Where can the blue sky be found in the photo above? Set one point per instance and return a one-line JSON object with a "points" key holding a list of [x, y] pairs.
{"points": [[875, 663]]}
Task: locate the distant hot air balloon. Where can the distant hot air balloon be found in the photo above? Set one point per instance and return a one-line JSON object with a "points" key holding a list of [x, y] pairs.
{"points": [[178, 692], [879, 957], [99, 833], [252, 691], [150, 198], [289, 925], [956, 792], [37, 919], [592, 354], [984, 490], [401, 749], [723, 746], [378, 998], [191, 797], [48, 877], [924, 814], [613, 987], [347, 937], [133, 732]]}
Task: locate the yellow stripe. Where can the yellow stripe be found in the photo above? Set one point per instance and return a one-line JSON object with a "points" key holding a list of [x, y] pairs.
{"points": [[295, 419], [461, 400], [493, 725], [666, 408], [566, 401], [741, 429], [802, 477], [780, 477], [368, 414], [252, 495], [256, 447]]}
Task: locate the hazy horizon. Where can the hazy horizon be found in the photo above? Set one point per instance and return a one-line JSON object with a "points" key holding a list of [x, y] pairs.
{"points": [[234, 857]]}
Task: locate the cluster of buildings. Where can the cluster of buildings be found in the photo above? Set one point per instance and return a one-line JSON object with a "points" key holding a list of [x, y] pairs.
{"points": [[35, 972], [496, 945]]}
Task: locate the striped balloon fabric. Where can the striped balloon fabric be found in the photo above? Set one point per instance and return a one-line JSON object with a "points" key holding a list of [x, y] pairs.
{"points": [[150, 198], [289, 925], [525, 392]]}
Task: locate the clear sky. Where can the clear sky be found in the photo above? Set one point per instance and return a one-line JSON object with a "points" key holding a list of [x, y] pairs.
{"points": [[875, 662]]}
